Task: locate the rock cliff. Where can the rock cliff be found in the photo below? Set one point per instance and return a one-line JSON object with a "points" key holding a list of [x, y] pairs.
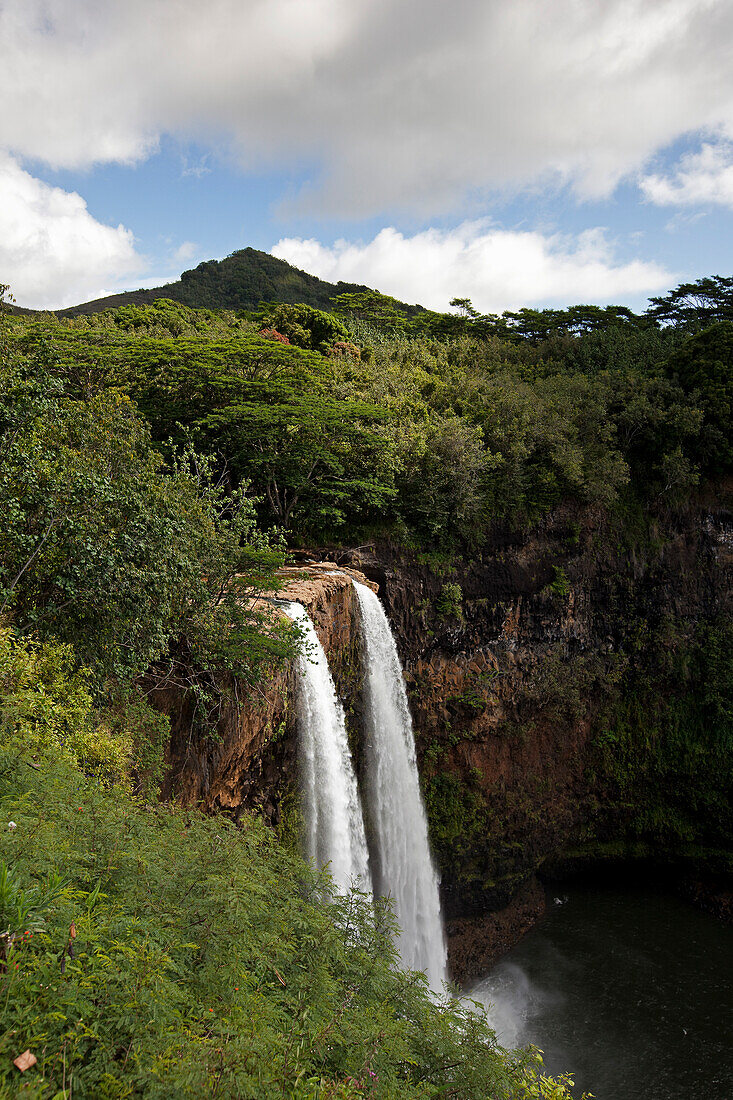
{"points": [[248, 759], [565, 685]]}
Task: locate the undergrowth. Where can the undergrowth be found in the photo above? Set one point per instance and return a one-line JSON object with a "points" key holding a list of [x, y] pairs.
{"points": [[152, 951]]}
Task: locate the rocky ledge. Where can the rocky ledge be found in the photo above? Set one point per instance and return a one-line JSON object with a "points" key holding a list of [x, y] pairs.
{"points": [[246, 755]]}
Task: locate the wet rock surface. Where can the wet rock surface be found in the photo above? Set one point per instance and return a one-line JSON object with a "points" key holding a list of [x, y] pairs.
{"points": [[249, 759], [475, 942]]}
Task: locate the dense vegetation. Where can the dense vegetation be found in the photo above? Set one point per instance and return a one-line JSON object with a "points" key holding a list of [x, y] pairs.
{"points": [[157, 460], [150, 951], [241, 281], [361, 423], [679, 775]]}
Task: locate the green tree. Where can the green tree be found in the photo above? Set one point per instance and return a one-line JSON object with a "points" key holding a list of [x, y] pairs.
{"points": [[703, 367], [307, 328], [377, 309], [465, 308], [446, 472], [694, 306], [102, 548], [315, 459]]}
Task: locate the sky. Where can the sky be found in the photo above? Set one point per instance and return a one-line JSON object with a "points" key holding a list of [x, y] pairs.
{"points": [[516, 152]]}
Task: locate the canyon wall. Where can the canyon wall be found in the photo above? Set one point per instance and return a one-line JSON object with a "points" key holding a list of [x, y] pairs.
{"points": [[566, 687]]}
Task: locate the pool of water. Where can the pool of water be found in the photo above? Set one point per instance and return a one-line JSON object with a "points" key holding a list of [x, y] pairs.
{"points": [[631, 989]]}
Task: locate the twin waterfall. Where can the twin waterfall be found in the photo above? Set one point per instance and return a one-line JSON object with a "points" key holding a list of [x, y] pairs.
{"points": [[397, 863]]}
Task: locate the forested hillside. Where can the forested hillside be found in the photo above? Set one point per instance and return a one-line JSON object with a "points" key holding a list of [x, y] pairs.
{"points": [[158, 464], [241, 281]]}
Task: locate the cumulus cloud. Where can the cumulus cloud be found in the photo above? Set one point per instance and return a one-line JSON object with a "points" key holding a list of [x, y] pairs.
{"points": [[498, 268], [185, 251], [700, 178], [402, 104], [53, 253]]}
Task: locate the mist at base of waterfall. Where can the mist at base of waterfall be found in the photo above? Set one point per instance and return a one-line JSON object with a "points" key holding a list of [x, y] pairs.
{"points": [[629, 988]]}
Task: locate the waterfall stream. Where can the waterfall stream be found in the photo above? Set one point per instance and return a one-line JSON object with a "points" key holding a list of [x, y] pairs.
{"points": [[331, 808], [402, 863]]}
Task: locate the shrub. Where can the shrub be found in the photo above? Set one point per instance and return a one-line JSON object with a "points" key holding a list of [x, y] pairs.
{"points": [[181, 956], [450, 601], [46, 708]]}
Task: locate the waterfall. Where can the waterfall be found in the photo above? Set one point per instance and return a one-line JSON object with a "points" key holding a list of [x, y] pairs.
{"points": [[333, 820], [402, 864]]}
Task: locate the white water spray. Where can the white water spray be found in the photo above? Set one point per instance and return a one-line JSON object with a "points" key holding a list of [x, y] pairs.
{"points": [[403, 867], [334, 825], [511, 999]]}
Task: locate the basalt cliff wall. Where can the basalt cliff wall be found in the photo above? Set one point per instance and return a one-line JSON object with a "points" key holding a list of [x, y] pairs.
{"points": [[566, 687], [570, 688], [245, 756]]}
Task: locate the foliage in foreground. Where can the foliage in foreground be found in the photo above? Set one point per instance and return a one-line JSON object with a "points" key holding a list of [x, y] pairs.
{"points": [[153, 951]]}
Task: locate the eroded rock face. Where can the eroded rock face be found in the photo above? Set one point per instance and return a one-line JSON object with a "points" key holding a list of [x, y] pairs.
{"points": [[251, 760], [241, 760], [531, 668], [540, 701]]}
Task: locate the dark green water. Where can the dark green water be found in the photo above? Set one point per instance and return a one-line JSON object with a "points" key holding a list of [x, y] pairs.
{"points": [[631, 989]]}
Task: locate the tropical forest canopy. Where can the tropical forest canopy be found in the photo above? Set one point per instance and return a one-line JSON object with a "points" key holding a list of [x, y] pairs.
{"points": [[371, 418]]}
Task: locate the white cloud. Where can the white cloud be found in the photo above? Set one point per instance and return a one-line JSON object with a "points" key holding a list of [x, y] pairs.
{"points": [[53, 253], [185, 251], [699, 179], [404, 104], [498, 268], [197, 168]]}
